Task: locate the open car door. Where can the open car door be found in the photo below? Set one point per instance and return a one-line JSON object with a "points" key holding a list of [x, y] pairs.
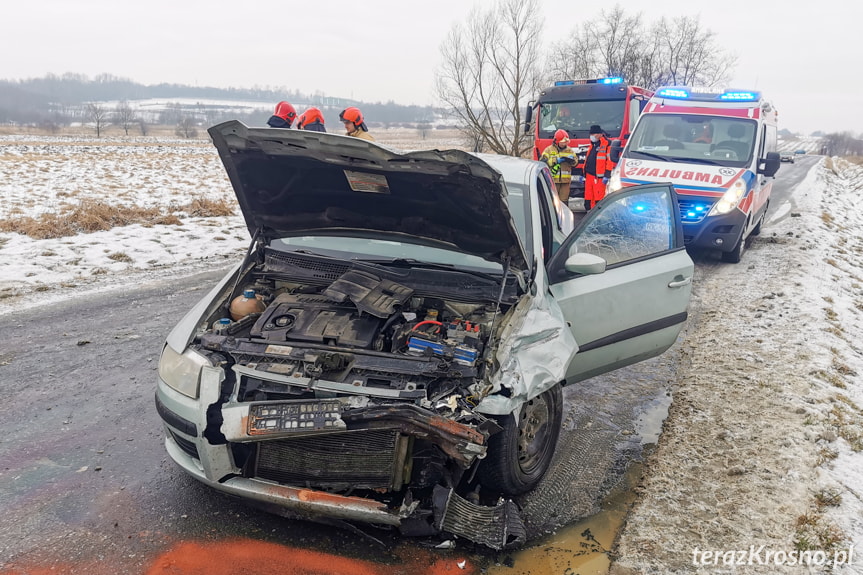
{"points": [[623, 280]]}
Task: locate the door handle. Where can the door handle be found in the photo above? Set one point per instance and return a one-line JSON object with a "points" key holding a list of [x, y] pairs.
{"points": [[680, 282]]}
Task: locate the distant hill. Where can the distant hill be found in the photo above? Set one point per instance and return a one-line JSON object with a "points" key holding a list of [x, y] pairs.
{"points": [[61, 99]]}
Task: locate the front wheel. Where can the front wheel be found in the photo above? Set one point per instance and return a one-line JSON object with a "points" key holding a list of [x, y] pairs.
{"points": [[519, 456], [735, 255]]}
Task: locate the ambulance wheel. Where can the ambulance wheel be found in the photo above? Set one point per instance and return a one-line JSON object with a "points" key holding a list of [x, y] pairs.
{"points": [[519, 456], [735, 255], [757, 229]]}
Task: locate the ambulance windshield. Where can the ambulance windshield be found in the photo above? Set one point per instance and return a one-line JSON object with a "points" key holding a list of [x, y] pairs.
{"points": [[719, 140]]}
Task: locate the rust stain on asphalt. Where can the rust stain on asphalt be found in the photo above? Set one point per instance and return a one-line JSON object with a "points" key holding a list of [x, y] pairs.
{"points": [[235, 556]]}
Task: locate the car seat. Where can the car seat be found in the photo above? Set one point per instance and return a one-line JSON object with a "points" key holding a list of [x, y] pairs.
{"points": [[736, 145], [672, 138]]}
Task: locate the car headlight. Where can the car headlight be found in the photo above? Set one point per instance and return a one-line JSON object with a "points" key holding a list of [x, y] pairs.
{"points": [[614, 183], [729, 199], [182, 371]]}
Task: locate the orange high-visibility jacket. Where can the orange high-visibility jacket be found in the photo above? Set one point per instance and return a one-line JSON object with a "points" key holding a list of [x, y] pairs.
{"points": [[597, 162]]}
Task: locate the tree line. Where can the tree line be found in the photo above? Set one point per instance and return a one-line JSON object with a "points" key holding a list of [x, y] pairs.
{"points": [[54, 101]]}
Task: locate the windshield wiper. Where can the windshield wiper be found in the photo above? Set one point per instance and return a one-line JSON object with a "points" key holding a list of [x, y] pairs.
{"points": [[703, 161], [650, 155], [413, 263]]}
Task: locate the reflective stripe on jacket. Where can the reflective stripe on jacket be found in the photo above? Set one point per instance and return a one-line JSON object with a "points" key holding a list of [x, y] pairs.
{"points": [[597, 161], [561, 172]]}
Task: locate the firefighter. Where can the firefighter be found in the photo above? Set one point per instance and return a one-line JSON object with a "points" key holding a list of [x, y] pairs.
{"points": [[597, 167], [283, 117], [311, 120], [560, 158], [352, 118]]}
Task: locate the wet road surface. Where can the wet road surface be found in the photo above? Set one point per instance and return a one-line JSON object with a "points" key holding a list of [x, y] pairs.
{"points": [[86, 485]]}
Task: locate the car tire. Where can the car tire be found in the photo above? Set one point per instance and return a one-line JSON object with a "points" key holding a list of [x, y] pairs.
{"points": [[757, 229], [519, 456], [736, 254]]}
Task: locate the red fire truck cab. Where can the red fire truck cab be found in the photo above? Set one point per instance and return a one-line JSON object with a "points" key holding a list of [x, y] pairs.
{"points": [[575, 105]]}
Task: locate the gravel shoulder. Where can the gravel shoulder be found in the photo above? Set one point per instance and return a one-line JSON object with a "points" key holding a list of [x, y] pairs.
{"points": [[762, 445]]}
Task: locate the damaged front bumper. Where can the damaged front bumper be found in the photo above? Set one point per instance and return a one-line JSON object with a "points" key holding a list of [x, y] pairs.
{"points": [[372, 455]]}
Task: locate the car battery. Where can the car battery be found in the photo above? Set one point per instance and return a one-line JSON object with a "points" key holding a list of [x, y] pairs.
{"points": [[461, 354]]}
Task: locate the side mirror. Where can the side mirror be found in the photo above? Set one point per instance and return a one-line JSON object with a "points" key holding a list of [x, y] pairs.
{"points": [[770, 165], [616, 149], [528, 116], [585, 264]]}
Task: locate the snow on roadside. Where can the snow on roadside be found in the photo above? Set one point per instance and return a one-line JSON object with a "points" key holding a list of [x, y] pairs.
{"points": [[759, 459]]}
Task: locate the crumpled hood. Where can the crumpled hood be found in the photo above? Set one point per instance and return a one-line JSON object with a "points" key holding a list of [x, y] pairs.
{"points": [[298, 183], [697, 177]]}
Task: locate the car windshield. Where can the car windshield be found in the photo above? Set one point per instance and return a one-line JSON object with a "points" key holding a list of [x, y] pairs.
{"points": [[692, 137], [577, 117]]}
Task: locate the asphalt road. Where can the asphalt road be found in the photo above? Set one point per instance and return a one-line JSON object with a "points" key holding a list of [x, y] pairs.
{"points": [[86, 485]]}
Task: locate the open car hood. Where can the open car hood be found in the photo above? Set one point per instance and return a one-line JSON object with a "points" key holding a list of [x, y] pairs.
{"points": [[299, 183]]}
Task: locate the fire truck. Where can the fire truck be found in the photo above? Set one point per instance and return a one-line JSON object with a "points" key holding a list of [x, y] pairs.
{"points": [[575, 105]]}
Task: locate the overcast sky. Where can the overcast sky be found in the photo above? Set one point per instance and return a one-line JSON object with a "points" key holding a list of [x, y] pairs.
{"points": [[804, 57]]}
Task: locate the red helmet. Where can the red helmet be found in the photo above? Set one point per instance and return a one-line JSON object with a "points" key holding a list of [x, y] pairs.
{"points": [[351, 115], [561, 137], [311, 115], [286, 112]]}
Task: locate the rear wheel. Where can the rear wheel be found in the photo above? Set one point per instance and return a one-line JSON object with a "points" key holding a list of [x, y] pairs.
{"points": [[519, 456]]}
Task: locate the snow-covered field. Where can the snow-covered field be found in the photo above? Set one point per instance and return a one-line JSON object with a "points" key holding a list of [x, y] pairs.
{"points": [[40, 174], [763, 442]]}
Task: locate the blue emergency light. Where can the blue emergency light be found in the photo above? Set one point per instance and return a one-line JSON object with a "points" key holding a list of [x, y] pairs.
{"points": [[739, 96], [673, 93], [610, 80]]}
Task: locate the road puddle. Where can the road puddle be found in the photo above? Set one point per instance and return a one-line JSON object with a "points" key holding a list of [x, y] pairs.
{"points": [[583, 548]]}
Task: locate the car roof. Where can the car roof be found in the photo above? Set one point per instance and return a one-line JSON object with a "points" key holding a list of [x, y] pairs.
{"points": [[513, 169]]}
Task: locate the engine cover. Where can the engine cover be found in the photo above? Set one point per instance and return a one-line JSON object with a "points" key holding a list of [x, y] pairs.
{"points": [[313, 318]]}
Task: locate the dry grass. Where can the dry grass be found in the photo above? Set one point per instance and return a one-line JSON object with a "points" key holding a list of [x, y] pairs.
{"points": [[95, 215], [209, 208]]}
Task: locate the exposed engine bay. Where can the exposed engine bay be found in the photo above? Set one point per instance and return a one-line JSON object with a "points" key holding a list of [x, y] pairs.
{"points": [[362, 386]]}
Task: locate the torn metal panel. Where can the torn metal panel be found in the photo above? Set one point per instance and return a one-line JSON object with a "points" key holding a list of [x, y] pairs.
{"points": [[498, 527]]}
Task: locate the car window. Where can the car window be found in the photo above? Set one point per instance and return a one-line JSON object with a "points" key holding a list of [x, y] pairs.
{"points": [[630, 227]]}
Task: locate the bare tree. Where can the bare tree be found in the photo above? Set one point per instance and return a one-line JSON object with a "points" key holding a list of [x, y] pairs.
{"points": [[98, 114], [677, 51], [842, 144], [125, 116], [490, 68], [423, 129], [690, 54], [186, 128]]}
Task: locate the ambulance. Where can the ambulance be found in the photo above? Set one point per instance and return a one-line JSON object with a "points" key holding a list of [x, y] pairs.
{"points": [[718, 149]]}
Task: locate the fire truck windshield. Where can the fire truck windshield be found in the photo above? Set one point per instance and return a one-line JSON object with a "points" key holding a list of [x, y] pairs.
{"points": [[577, 117]]}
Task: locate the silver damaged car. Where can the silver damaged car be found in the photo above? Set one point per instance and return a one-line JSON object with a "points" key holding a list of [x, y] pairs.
{"points": [[393, 346]]}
